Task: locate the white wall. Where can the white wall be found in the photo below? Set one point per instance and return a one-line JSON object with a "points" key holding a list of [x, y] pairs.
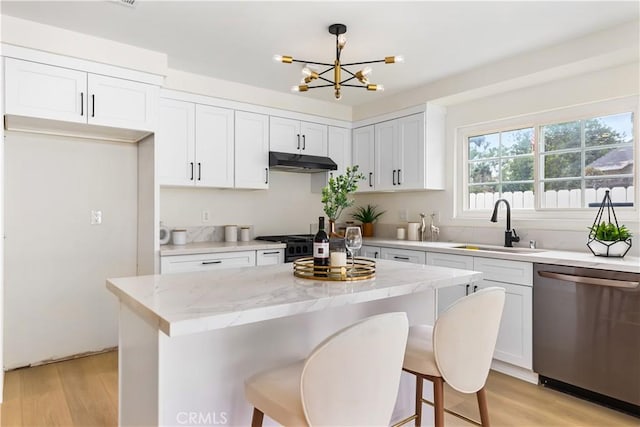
{"points": [[287, 206], [595, 86], [56, 301]]}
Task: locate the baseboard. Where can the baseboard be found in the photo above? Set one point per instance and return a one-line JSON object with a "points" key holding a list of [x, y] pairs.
{"points": [[62, 359], [515, 371]]}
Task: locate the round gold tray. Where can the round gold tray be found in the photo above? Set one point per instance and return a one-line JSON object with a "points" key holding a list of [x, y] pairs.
{"points": [[363, 269]]}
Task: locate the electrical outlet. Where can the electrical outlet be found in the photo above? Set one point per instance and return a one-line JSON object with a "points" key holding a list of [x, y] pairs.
{"points": [[205, 216], [404, 215], [96, 217]]}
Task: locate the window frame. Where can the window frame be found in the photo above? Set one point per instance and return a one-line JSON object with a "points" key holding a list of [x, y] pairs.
{"points": [[537, 121]]}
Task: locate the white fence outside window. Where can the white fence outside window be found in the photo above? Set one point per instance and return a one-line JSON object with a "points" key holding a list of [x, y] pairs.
{"points": [[558, 199]]}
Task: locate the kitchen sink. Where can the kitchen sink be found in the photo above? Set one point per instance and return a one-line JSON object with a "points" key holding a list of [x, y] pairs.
{"points": [[484, 248]]}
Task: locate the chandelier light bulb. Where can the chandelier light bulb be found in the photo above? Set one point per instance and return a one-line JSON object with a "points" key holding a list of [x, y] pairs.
{"points": [[366, 71], [295, 88], [277, 58], [380, 88], [283, 58], [306, 71], [399, 58], [393, 59], [342, 40]]}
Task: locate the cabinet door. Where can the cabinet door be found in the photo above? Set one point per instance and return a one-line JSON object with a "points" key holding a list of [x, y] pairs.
{"points": [[214, 147], [339, 147], [44, 91], [463, 262], [409, 154], [284, 135], [121, 103], [515, 338], [252, 150], [403, 255], [503, 270], [363, 155], [385, 147], [370, 251], [269, 256], [314, 139], [175, 142]]}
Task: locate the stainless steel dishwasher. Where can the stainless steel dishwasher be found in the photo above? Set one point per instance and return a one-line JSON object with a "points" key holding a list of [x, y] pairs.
{"points": [[586, 333]]}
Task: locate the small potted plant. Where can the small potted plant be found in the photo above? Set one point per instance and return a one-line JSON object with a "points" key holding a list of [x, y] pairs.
{"points": [[335, 196], [606, 237], [367, 216]]}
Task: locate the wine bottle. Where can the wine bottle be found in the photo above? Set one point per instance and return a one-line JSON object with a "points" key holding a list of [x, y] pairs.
{"points": [[321, 247]]}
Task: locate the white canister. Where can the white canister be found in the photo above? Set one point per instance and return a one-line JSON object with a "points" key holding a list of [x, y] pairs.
{"points": [[230, 233], [400, 233], [245, 233], [413, 231], [179, 237]]}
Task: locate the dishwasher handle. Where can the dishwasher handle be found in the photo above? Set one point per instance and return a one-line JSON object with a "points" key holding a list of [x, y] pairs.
{"points": [[590, 280]]}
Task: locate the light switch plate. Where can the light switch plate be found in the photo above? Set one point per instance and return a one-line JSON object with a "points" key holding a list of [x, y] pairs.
{"points": [[96, 217]]}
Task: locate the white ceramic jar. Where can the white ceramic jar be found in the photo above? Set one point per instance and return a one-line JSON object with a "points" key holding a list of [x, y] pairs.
{"points": [[230, 233]]}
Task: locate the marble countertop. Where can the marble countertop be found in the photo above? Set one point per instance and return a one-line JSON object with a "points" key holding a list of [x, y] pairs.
{"points": [[187, 303], [213, 247], [576, 259]]}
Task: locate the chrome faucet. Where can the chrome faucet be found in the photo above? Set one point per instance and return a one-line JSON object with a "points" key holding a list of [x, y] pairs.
{"points": [[423, 227], [510, 235]]}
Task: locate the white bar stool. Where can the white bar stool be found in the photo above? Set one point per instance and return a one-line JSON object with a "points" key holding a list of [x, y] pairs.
{"points": [[458, 350], [349, 379]]}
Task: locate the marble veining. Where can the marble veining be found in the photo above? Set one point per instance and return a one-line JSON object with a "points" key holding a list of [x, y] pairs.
{"points": [[196, 302], [217, 247]]}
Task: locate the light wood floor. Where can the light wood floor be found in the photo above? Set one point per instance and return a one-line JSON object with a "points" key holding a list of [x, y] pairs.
{"points": [[84, 392]]}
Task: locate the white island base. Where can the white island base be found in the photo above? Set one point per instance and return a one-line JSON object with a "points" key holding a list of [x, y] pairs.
{"points": [[183, 358]]}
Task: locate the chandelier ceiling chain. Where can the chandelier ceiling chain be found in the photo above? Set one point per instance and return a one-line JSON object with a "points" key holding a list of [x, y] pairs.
{"points": [[361, 76]]}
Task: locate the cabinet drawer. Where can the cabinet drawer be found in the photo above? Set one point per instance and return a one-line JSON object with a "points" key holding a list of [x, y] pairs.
{"points": [[403, 255], [500, 270], [205, 262], [269, 256], [463, 262]]}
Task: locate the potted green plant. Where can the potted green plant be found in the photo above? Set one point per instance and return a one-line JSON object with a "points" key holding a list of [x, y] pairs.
{"points": [[606, 237], [367, 215], [335, 196]]}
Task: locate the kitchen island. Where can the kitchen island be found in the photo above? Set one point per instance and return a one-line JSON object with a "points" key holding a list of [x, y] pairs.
{"points": [[187, 341]]}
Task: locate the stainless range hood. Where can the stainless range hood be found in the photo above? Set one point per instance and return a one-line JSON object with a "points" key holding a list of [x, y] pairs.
{"points": [[300, 163]]}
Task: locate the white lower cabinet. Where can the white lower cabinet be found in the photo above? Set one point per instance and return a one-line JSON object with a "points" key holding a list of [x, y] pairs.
{"points": [[370, 251], [403, 255], [269, 256], [205, 262], [514, 344]]}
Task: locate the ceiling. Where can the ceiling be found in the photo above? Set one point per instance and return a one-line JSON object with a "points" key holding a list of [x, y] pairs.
{"points": [[235, 40]]}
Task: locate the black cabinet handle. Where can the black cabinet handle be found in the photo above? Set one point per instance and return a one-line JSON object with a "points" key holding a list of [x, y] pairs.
{"points": [[304, 142], [191, 179], [93, 105], [298, 135], [466, 289], [399, 176], [199, 171], [401, 257], [394, 177], [82, 103], [370, 176], [375, 254], [211, 262], [475, 288], [271, 253], [266, 175]]}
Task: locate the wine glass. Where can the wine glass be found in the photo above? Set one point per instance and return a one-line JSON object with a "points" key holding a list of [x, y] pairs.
{"points": [[353, 241]]}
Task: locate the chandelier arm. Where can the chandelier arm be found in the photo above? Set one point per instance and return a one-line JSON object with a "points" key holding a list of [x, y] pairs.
{"points": [[326, 71], [347, 80], [312, 62], [362, 63], [350, 85], [326, 80], [315, 87], [344, 69]]}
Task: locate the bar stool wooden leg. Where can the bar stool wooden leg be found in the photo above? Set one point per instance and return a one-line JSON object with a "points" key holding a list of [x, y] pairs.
{"points": [[482, 405], [438, 401], [418, 400], [256, 419]]}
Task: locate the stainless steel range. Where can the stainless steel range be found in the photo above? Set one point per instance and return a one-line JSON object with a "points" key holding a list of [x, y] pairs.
{"points": [[298, 245]]}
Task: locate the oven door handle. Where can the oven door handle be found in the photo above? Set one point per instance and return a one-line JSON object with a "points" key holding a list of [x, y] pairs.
{"points": [[590, 280]]}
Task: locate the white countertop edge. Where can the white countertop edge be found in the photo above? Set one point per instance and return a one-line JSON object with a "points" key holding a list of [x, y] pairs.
{"points": [[585, 259], [217, 247]]}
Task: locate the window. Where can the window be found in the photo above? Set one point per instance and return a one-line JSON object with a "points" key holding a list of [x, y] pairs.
{"points": [[573, 165]]}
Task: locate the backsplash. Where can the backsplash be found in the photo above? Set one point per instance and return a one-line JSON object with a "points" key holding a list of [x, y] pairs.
{"points": [[209, 233]]}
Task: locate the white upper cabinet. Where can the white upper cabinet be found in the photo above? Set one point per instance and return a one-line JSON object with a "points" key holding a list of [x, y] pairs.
{"points": [[175, 142], [252, 150], [363, 155], [294, 136], [339, 148], [406, 153], [195, 145], [214, 166], [56, 93]]}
